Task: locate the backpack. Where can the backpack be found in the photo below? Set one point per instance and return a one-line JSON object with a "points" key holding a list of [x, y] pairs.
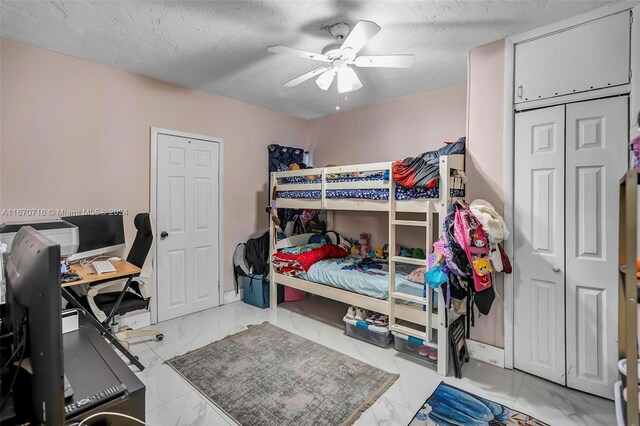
{"points": [[257, 254], [240, 266]]}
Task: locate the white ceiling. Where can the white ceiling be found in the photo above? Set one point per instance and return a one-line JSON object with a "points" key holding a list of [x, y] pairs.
{"points": [[221, 46]]}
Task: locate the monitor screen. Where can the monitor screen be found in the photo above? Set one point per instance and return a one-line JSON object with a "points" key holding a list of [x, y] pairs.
{"points": [[98, 234], [32, 271]]}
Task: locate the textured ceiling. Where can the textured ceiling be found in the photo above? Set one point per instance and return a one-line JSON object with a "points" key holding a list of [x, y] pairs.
{"points": [[221, 46]]}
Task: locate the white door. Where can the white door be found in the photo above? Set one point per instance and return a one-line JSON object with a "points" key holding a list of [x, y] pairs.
{"points": [[596, 155], [187, 225], [539, 335]]}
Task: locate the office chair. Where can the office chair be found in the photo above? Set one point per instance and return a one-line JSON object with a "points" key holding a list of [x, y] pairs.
{"points": [[101, 304]]}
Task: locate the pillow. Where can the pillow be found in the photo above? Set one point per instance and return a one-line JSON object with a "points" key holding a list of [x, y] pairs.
{"points": [[417, 275]]}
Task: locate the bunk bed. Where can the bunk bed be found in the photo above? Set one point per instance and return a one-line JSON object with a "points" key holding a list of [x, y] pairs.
{"points": [[369, 187]]}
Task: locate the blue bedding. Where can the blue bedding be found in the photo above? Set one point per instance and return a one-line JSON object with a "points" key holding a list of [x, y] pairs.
{"points": [[369, 194], [372, 283]]}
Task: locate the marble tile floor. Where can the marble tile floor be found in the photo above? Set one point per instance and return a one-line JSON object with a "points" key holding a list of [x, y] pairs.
{"points": [[170, 400]]}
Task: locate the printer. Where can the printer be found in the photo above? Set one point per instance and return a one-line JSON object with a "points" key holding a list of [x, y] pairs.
{"points": [[59, 231]]}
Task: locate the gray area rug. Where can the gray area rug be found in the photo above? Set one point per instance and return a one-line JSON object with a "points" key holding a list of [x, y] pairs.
{"points": [[268, 376]]}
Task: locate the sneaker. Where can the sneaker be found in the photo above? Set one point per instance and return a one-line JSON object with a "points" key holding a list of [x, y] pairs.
{"points": [[351, 312], [371, 318], [433, 354], [361, 314], [423, 351], [382, 320]]}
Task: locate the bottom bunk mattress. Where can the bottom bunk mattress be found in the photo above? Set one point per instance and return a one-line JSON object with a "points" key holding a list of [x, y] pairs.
{"points": [[343, 274]]}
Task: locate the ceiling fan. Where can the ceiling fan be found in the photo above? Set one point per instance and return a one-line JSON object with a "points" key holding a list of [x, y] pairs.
{"points": [[339, 57]]}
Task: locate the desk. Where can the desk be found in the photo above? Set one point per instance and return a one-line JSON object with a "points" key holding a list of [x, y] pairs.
{"points": [[124, 270], [92, 366]]}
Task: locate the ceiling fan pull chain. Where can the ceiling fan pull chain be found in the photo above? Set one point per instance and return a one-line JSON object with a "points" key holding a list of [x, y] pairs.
{"points": [[337, 100]]}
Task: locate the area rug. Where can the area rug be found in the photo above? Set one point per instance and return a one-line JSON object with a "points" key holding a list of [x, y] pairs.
{"points": [[270, 377], [449, 405]]}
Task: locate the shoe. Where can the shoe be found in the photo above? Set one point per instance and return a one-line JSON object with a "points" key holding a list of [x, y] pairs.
{"points": [[433, 354], [382, 320], [351, 312], [361, 314], [423, 351], [371, 318]]}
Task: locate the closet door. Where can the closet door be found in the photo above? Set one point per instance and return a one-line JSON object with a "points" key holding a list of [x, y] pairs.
{"points": [[539, 334], [596, 157]]}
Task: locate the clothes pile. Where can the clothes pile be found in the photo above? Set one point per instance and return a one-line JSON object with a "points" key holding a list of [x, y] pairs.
{"points": [[424, 170]]}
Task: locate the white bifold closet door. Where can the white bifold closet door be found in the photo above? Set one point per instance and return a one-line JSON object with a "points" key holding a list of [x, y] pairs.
{"points": [[596, 153], [539, 340], [568, 162]]}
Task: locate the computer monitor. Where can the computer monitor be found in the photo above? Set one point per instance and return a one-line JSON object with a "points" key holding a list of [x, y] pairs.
{"points": [[32, 272], [99, 234]]}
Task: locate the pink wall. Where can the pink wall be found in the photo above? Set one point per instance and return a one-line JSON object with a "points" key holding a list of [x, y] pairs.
{"points": [[485, 157], [76, 135]]}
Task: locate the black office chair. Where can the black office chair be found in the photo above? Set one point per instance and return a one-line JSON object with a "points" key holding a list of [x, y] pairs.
{"points": [[102, 304]]}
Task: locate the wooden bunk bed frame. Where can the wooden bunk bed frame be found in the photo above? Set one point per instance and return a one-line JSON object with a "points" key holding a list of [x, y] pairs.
{"points": [[429, 206]]}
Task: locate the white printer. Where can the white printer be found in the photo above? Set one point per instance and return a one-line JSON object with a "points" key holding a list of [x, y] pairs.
{"points": [[59, 231]]}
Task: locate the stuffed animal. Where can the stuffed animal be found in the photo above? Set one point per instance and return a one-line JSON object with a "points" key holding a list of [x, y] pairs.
{"points": [[364, 244], [385, 251], [418, 253], [379, 253], [371, 254], [294, 166], [355, 250], [405, 252]]}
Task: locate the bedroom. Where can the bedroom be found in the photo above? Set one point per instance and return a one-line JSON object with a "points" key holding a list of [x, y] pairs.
{"points": [[101, 101]]}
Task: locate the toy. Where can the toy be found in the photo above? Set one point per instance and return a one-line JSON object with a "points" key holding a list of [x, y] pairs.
{"points": [[364, 244], [379, 253], [371, 254], [294, 166], [385, 251], [418, 253], [405, 252]]}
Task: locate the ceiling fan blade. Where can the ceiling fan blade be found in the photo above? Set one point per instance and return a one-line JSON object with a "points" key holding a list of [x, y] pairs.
{"points": [[325, 79], [305, 77], [296, 52], [385, 61], [348, 80], [361, 33]]}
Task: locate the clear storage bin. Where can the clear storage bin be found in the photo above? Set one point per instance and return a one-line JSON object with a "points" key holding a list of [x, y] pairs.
{"points": [[379, 336], [426, 352]]}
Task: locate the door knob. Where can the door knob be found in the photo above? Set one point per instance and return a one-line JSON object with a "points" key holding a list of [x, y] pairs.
{"points": [[163, 235], [555, 268]]}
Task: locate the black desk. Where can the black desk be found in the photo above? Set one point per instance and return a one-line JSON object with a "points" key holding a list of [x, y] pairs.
{"points": [[91, 365]]}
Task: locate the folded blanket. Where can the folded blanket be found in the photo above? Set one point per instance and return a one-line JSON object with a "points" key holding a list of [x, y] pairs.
{"points": [[295, 264]]}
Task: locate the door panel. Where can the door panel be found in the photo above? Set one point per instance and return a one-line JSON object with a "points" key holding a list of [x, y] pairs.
{"points": [[187, 209], [595, 159], [539, 243]]}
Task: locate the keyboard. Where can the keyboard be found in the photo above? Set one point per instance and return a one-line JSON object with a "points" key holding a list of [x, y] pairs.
{"points": [[103, 266]]}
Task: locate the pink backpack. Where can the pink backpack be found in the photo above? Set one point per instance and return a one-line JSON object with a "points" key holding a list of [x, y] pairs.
{"points": [[469, 234]]}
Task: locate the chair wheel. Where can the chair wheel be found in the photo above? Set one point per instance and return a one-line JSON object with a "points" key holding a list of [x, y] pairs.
{"points": [[137, 357], [159, 337]]}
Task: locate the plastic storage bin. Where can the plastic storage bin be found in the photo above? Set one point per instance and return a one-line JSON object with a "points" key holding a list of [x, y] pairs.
{"points": [[427, 352], [255, 293], [379, 336], [293, 294]]}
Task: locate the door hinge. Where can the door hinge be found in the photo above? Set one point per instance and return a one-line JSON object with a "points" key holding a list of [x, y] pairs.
{"points": [[631, 17]]}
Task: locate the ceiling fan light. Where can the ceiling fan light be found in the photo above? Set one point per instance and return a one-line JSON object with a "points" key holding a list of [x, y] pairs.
{"points": [[348, 81], [325, 79]]}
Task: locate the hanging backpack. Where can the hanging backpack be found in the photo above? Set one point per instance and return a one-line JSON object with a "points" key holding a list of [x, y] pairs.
{"points": [[257, 254]]}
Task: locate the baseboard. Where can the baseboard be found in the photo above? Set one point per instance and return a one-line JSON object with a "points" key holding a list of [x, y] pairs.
{"points": [[486, 353], [231, 296], [135, 320]]}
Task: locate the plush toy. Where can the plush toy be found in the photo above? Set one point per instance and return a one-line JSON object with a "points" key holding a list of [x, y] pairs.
{"points": [[294, 166], [418, 253], [355, 250], [379, 253], [405, 252], [371, 254], [385, 251], [364, 244]]}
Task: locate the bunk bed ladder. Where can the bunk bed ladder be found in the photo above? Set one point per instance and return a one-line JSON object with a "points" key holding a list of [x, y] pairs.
{"points": [[394, 295]]}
